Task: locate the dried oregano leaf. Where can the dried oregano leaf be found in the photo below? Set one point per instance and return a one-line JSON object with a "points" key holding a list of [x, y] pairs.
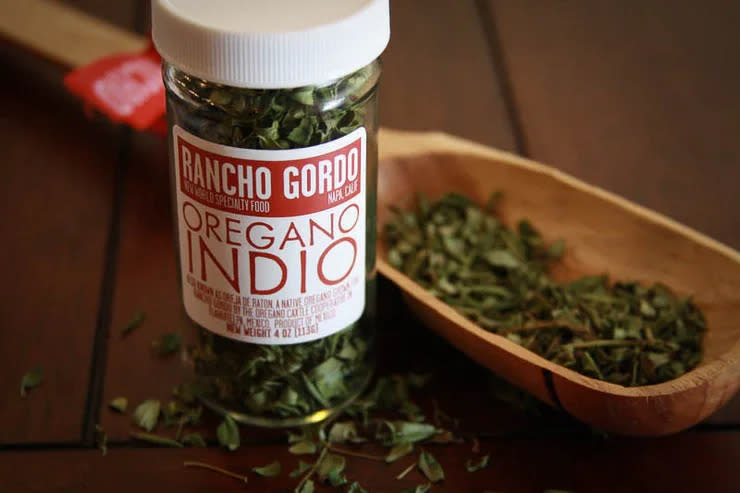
{"points": [[398, 432], [135, 321], [398, 451], [344, 432], [330, 465], [356, 488], [31, 379], [157, 440], [306, 487], [228, 433], [472, 466], [119, 404], [271, 470], [303, 447], [193, 440], [146, 414], [302, 468], [167, 344], [430, 467], [180, 414]]}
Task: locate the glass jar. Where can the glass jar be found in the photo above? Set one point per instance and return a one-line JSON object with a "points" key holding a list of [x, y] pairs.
{"points": [[274, 193]]}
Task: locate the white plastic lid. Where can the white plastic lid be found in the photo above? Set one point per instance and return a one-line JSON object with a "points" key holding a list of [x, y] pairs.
{"points": [[270, 43]]}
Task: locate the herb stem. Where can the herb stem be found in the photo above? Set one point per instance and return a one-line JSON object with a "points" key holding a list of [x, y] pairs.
{"points": [[313, 469], [550, 324], [203, 465], [610, 343], [406, 471], [354, 454]]}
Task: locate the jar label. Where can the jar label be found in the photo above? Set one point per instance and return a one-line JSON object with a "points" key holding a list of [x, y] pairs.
{"points": [[272, 242]]}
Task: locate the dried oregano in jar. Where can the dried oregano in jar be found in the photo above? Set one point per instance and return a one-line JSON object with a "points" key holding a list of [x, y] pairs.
{"points": [[273, 149]]}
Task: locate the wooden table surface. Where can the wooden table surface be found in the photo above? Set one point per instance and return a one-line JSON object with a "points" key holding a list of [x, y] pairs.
{"points": [[640, 98]]}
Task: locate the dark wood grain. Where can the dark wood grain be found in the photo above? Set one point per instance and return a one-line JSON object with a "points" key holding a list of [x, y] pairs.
{"points": [[688, 462], [55, 214], [438, 75]]}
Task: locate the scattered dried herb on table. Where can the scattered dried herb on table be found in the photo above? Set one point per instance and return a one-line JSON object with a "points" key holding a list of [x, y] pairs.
{"points": [[623, 333], [291, 381], [31, 380], [386, 415]]}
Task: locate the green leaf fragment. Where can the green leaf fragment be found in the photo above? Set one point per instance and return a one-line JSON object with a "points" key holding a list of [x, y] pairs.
{"points": [[302, 134], [156, 439], [31, 380], [119, 404], [167, 344], [331, 464], [135, 322], [557, 249], [502, 258], [356, 488], [336, 479], [306, 487], [193, 440], [304, 95], [304, 447], [408, 432], [430, 467], [271, 470], [658, 359], [302, 468], [146, 414], [647, 309], [398, 451], [328, 379], [343, 432], [228, 433], [472, 466]]}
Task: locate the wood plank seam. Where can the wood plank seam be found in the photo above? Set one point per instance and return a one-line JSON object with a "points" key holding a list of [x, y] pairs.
{"points": [[495, 51], [96, 382], [100, 342]]}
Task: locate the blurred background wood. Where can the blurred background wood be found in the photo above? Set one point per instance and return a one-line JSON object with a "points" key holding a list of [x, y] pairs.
{"points": [[65, 35]]}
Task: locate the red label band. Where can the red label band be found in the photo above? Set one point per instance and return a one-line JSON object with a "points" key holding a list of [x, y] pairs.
{"points": [[270, 188]]}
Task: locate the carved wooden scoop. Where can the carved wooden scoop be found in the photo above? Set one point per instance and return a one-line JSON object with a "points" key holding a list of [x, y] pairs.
{"points": [[604, 234]]}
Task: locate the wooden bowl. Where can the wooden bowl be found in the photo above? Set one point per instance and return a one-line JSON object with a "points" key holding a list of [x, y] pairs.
{"points": [[604, 234]]}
